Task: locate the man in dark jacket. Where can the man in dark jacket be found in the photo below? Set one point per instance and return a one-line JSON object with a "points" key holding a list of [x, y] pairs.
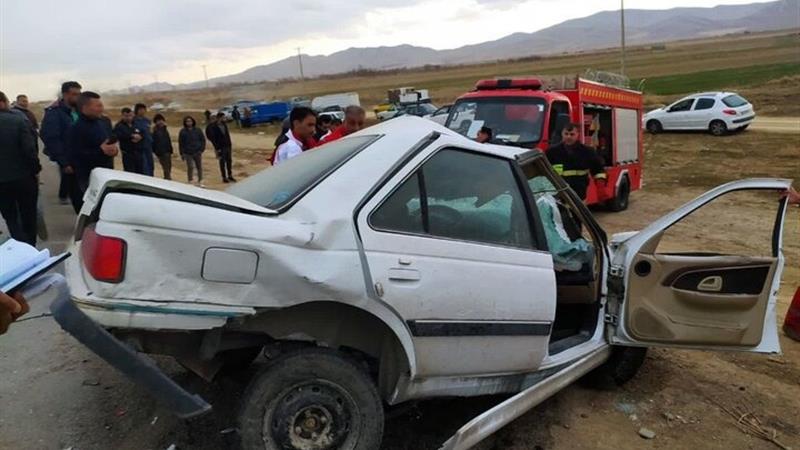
{"points": [[130, 142], [162, 145], [19, 168], [217, 132], [58, 119], [575, 161], [90, 145], [22, 105], [141, 122]]}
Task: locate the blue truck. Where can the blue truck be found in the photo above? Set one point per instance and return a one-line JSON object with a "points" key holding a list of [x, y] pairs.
{"points": [[267, 112]]}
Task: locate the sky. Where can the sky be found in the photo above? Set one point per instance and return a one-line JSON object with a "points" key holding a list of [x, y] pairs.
{"points": [[107, 44]]}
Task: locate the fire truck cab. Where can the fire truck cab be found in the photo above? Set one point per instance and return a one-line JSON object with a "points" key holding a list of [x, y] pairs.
{"points": [[523, 112]]}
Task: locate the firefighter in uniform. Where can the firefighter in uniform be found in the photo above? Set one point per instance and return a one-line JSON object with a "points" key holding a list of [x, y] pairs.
{"points": [[575, 161]]}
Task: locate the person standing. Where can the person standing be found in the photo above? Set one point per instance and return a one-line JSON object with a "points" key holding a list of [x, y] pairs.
{"points": [[354, 117], [90, 143], [247, 119], [575, 161], [19, 170], [236, 115], [207, 114], [130, 142], [162, 145], [304, 125], [191, 144], [22, 105], [56, 124], [141, 122], [323, 127], [217, 132]]}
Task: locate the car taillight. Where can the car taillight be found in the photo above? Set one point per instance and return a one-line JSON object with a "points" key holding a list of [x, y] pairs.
{"points": [[730, 112], [103, 256]]}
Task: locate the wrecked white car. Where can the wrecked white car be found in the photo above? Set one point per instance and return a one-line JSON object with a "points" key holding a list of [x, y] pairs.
{"points": [[403, 262]]}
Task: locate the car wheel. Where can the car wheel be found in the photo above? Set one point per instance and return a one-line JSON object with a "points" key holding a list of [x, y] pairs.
{"points": [[620, 368], [622, 197], [718, 128], [311, 399], [654, 126]]}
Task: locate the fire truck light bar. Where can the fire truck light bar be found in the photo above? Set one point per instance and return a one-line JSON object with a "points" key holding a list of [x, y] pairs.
{"points": [[515, 83]]}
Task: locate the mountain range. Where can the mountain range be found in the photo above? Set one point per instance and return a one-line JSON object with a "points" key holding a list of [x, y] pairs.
{"points": [[600, 30]]}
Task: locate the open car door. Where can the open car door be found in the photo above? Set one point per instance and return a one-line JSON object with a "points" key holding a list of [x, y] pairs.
{"points": [[700, 299]]}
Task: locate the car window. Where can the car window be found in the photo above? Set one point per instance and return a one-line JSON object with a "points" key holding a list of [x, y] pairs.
{"points": [[559, 118], [704, 103], [683, 105], [468, 197], [278, 186], [734, 101]]}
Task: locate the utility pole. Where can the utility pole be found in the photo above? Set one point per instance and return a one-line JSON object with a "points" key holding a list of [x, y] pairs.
{"points": [[300, 61], [622, 29], [205, 75]]}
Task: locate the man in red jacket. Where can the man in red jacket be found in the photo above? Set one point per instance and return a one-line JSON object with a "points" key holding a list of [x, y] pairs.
{"points": [[354, 117]]}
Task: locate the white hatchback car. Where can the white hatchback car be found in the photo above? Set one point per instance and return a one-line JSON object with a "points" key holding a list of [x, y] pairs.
{"points": [[401, 262], [717, 112]]}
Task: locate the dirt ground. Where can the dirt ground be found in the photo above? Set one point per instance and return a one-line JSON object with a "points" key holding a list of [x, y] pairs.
{"points": [[57, 395]]}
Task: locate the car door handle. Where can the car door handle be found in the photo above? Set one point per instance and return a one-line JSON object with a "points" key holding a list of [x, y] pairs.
{"points": [[398, 274], [710, 284]]}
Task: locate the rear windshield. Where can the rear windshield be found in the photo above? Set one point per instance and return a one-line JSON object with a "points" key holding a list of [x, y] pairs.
{"points": [[278, 186], [734, 101]]}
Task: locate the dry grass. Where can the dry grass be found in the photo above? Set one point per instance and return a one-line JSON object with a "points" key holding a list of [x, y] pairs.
{"points": [[447, 83]]}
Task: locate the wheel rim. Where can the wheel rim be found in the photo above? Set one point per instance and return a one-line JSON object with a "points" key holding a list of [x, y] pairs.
{"points": [[654, 127], [717, 128], [315, 415]]}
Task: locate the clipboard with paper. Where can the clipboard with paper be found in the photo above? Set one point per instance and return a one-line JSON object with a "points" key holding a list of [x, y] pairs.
{"points": [[21, 264]]}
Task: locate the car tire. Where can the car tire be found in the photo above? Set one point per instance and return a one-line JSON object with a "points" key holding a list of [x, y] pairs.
{"points": [[622, 197], [654, 126], [312, 398], [718, 128], [620, 368]]}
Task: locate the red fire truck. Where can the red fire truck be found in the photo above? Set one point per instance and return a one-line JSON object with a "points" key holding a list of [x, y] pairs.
{"points": [[525, 112]]}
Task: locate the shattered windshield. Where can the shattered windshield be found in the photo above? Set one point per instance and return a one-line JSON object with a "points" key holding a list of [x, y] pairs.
{"points": [[513, 120]]}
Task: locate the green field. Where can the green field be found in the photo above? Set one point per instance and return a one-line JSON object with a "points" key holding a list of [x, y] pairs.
{"points": [[716, 79]]}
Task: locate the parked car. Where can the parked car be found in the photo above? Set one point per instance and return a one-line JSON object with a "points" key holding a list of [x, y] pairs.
{"points": [[399, 263], [335, 112], [388, 113], [344, 100], [440, 115], [157, 107], [268, 112], [717, 112], [228, 111], [416, 109], [174, 106], [300, 101]]}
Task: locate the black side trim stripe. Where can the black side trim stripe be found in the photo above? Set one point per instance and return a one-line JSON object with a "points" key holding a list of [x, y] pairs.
{"points": [[429, 328]]}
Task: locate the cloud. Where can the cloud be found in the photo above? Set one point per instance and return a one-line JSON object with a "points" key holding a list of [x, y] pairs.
{"points": [[108, 44]]}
